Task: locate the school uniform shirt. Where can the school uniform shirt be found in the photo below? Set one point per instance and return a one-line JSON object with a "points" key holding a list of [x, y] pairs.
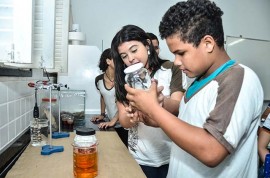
{"points": [[148, 145], [109, 98], [228, 105]]}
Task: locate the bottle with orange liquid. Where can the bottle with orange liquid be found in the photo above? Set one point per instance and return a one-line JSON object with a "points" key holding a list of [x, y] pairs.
{"points": [[85, 154]]}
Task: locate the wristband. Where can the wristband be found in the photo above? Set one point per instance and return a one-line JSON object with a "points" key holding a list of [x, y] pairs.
{"points": [[103, 114]]}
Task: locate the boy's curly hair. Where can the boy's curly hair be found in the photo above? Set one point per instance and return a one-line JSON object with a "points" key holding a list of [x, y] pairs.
{"points": [[192, 20]]}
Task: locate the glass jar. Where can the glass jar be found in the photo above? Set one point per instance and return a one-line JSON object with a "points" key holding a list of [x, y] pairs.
{"points": [[137, 76], [45, 112], [85, 155]]}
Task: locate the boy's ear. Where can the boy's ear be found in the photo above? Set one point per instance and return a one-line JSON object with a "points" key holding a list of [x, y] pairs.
{"points": [[209, 43]]}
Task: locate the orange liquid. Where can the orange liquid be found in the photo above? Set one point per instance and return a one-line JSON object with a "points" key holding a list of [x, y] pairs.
{"points": [[85, 162]]}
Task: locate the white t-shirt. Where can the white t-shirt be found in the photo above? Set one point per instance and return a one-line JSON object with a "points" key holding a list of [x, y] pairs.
{"points": [[228, 107], [109, 98]]}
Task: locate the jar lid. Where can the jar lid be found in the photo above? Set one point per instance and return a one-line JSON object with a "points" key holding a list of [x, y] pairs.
{"points": [[133, 68], [48, 99], [85, 131]]}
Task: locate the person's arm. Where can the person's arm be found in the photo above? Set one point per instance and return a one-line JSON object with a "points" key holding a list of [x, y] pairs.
{"points": [[194, 140], [263, 141], [102, 110], [102, 105], [123, 116], [172, 103]]}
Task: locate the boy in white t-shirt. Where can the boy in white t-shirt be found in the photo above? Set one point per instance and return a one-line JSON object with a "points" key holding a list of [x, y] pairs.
{"points": [[215, 133]]}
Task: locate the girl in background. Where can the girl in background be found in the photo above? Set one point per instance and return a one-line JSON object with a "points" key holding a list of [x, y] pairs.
{"points": [[105, 84]]}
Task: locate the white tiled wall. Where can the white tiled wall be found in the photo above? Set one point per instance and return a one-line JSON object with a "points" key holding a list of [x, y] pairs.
{"points": [[16, 106]]}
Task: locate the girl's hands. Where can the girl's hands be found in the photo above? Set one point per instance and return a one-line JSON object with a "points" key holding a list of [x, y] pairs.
{"points": [[141, 102], [134, 115], [105, 125], [97, 118]]}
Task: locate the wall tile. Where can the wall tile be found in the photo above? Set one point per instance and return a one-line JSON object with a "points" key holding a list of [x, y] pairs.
{"points": [[28, 118], [23, 109], [11, 111], [4, 136], [3, 92], [11, 131], [17, 111], [23, 121], [16, 89], [29, 105], [18, 126], [3, 115]]}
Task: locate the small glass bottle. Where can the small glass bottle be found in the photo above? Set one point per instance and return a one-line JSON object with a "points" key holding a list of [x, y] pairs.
{"points": [[85, 153], [137, 76]]}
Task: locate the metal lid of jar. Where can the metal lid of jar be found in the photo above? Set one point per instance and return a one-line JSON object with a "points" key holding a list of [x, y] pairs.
{"points": [[85, 131]]}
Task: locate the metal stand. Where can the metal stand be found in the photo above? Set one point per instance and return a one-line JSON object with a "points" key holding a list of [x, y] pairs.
{"points": [[59, 134], [49, 149]]}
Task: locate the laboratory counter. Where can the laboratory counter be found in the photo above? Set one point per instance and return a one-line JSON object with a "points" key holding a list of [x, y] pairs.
{"points": [[114, 160]]}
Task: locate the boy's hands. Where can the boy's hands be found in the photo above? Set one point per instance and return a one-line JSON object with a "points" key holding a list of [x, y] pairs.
{"points": [[141, 102]]}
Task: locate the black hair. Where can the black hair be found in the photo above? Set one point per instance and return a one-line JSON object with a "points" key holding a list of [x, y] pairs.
{"points": [[106, 54], [152, 36], [130, 33], [192, 20]]}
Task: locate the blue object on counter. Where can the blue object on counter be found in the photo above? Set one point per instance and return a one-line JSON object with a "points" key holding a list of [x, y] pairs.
{"points": [[60, 135], [267, 166], [49, 149]]}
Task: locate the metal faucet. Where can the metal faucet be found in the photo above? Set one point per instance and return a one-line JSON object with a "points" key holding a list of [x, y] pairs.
{"points": [[11, 53]]}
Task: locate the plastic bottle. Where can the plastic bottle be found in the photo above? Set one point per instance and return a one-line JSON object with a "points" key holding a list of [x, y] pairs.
{"points": [[137, 76], [85, 153]]}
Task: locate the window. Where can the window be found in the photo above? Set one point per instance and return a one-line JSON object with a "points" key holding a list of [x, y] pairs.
{"points": [[15, 31], [34, 33]]}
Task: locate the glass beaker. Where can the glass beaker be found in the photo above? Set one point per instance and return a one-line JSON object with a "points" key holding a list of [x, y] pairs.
{"points": [[39, 132]]}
